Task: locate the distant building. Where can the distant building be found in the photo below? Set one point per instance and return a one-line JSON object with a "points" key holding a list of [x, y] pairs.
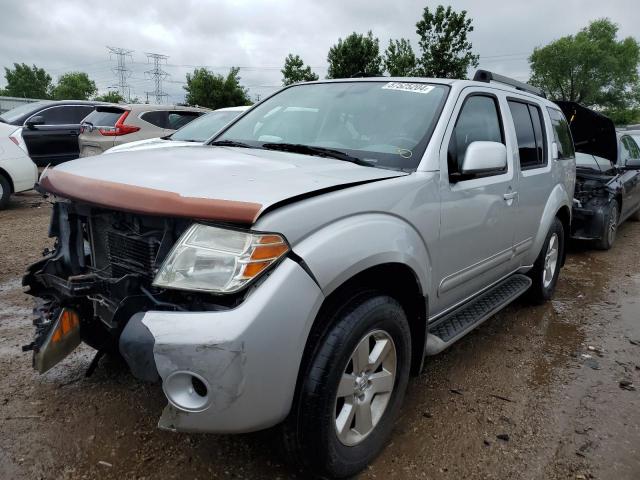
{"points": [[7, 103]]}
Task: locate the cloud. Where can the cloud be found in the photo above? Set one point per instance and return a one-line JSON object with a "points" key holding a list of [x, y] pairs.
{"points": [[257, 36]]}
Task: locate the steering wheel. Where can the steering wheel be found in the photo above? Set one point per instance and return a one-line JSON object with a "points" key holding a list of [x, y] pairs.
{"points": [[403, 142]]}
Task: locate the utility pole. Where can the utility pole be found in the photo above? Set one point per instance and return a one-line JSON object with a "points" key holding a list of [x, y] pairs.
{"points": [[121, 70], [158, 75]]}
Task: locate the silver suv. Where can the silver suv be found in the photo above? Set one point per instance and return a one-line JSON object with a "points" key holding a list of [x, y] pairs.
{"points": [[297, 269], [112, 125]]}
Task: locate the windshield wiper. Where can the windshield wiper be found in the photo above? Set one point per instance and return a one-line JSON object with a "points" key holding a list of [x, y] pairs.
{"points": [[318, 151], [231, 143]]}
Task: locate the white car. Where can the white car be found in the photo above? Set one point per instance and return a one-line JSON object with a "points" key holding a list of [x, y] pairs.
{"points": [[17, 171], [194, 133]]}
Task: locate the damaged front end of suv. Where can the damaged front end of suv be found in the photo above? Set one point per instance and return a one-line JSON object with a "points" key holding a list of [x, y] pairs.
{"points": [[595, 193]]}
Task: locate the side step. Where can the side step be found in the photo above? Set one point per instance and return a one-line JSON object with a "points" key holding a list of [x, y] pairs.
{"points": [[447, 330]]}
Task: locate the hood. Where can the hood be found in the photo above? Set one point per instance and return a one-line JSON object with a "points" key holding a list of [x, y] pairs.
{"points": [[150, 143], [593, 133], [204, 182]]}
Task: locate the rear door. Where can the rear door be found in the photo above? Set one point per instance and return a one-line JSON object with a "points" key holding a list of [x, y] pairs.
{"points": [[57, 140], [534, 169], [478, 214]]}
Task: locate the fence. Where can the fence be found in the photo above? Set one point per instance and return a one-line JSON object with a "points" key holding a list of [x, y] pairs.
{"points": [[7, 103]]}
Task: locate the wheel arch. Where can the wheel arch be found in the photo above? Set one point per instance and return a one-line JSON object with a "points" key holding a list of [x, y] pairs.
{"points": [[6, 175]]}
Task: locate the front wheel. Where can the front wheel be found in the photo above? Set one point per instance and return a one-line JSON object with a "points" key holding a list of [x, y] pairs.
{"points": [[610, 228], [352, 389], [546, 269]]}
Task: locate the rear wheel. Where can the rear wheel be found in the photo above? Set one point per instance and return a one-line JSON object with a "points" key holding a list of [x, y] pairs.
{"points": [[610, 228], [546, 269], [5, 191], [352, 389]]}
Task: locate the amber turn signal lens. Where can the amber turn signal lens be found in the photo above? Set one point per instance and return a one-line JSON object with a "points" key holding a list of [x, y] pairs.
{"points": [[268, 251], [68, 321]]}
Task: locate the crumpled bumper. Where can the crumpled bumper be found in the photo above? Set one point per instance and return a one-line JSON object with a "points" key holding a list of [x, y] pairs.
{"points": [[233, 370]]}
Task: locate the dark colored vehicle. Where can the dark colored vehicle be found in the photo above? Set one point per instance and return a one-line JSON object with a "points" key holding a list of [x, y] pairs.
{"points": [[607, 176], [50, 128]]}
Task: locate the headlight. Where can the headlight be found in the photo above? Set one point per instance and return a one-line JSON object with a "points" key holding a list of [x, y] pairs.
{"points": [[218, 260]]}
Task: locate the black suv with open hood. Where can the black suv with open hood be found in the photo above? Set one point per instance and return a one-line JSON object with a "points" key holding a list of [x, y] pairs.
{"points": [[607, 176]]}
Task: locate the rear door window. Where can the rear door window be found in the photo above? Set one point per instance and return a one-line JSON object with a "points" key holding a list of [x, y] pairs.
{"points": [[479, 120], [561, 134], [157, 118], [528, 125], [178, 119]]}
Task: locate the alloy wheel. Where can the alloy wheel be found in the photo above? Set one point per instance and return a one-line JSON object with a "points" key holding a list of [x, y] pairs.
{"points": [[551, 260], [365, 387]]}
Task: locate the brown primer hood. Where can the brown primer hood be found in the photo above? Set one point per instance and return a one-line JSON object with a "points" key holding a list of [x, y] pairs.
{"points": [[145, 200]]}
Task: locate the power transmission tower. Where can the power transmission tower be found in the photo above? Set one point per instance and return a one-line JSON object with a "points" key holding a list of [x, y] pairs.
{"points": [[158, 75], [121, 70]]}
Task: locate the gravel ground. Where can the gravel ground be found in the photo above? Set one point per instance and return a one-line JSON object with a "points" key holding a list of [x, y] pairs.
{"points": [[534, 393]]}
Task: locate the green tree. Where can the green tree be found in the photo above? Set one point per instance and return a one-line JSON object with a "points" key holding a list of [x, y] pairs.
{"points": [[446, 51], [399, 59], [211, 90], [112, 96], [355, 54], [592, 67], [74, 86], [27, 82], [295, 71]]}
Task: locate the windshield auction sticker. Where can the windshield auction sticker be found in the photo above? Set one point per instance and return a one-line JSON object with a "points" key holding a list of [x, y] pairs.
{"points": [[408, 87]]}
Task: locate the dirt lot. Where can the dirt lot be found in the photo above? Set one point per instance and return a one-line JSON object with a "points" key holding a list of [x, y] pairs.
{"points": [[533, 393]]}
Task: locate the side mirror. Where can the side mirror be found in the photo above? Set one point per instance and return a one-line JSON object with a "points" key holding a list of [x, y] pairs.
{"points": [[35, 121], [632, 164], [484, 157]]}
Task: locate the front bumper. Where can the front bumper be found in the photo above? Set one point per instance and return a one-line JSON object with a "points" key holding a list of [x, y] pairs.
{"points": [[587, 223], [246, 358]]}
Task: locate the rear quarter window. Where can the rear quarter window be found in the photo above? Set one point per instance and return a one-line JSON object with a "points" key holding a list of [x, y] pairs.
{"points": [[562, 134], [178, 119]]}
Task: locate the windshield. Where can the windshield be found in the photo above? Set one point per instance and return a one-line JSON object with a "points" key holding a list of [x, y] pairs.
{"points": [[591, 161], [204, 127], [385, 124], [14, 114]]}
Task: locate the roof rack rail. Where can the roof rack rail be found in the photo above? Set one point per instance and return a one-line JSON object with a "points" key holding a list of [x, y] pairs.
{"points": [[487, 76]]}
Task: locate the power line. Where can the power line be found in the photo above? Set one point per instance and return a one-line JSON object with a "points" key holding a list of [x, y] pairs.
{"points": [[121, 71], [158, 75]]}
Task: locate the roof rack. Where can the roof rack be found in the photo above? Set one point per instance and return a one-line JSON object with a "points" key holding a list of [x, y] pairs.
{"points": [[487, 76]]}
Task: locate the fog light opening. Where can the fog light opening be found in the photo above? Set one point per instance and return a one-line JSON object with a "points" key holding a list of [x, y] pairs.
{"points": [[187, 391], [198, 386]]}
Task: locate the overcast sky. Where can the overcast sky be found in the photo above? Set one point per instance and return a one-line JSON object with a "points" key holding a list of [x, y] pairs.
{"points": [[257, 35]]}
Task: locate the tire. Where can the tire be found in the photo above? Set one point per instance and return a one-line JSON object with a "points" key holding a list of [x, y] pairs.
{"points": [[310, 433], [5, 191], [610, 227], [546, 268]]}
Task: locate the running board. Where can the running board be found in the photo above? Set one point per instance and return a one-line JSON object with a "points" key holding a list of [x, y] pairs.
{"points": [[444, 332]]}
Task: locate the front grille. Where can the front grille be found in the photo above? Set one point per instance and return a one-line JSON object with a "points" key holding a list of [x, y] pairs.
{"points": [[129, 253]]}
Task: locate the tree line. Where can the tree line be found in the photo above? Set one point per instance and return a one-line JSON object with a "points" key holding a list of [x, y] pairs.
{"points": [[592, 67]]}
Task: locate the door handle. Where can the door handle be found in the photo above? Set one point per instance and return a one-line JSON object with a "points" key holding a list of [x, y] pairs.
{"points": [[510, 196]]}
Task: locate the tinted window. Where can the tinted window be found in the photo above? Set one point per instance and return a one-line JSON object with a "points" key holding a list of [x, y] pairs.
{"points": [[14, 114], [383, 123], [104, 117], [479, 120], [157, 118], [64, 115], [561, 134], [178, 120], [526, 120], [204, 127]]}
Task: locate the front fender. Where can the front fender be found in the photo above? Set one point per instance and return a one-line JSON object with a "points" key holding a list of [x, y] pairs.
{"points": [[349, 246], [557, 199]]}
